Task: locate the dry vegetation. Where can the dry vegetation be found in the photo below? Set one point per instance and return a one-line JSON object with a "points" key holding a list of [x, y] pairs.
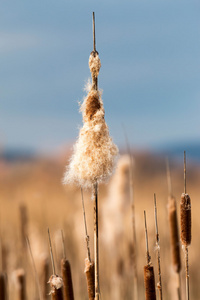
{"points": [[32, 199]]}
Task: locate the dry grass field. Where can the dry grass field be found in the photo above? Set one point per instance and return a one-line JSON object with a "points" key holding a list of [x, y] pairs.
{"points": [[32, 199]]}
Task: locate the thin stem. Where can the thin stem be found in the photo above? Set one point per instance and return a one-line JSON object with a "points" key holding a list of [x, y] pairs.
{"points": [[146, 236], [51, 253], [87, 238], [34, 267], [94, 36], [169, 181], [184, 172], [63, 245], [187, 272], [96, 243], [158, 251]]}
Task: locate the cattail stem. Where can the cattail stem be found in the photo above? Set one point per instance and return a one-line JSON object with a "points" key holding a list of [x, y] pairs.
{"points": [[159, 284], [96, 242], [187, 272], [67, 280], [86, 232]]}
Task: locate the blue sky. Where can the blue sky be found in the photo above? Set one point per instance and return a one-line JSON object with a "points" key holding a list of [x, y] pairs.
{"points": [[150, 75]]}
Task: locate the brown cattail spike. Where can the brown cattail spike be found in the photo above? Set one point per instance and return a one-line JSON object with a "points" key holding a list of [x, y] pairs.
{"points": [[44, 277], [149, 281], [67, 280], [56, 284], [89, 271], [174, 235], [185, 208]]}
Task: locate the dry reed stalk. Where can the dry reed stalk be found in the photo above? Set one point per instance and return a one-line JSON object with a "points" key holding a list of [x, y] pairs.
{"points": [[89, 265], [185, 211], [95, 154], [149, 279], [20, 280], [174, 232], [3, 286], [159, 284], [89, 271]]}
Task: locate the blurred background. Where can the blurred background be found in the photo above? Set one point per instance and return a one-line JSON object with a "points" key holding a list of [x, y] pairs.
{"points": [[149, 52]]}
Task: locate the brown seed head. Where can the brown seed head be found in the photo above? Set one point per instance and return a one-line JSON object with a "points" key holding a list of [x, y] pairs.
{"points": [[174, 236], [185, 210], [149, 282], [67, 280], [89, 271]]}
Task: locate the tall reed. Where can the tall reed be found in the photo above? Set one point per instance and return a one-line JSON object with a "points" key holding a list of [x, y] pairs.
{"points": [[94, 153], [174, 232], [186, 236], [159, 284]]}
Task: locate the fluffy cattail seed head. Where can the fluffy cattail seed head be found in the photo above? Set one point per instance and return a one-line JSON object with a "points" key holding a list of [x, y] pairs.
{"points": [[95, 153], [56, 284], [185, 210], [174, 236], [149, 281], [94, 63]]}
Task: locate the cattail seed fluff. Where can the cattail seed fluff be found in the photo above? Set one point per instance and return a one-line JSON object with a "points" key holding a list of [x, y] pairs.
{"points": [[95, 153], [56, 284], [89, 271], [185, 210], [149, 282], [174, 236], [67, 280]]}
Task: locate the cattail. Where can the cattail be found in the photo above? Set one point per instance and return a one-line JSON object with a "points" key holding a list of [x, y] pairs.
{"points": [[95, 153], [149, 279], [185, 208], [159, 284], [174, 235], [174, 232], [150, 293], [55, 281], [3, 286], [20, 280], [67, 280], [56, 284], [89, 271]]}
